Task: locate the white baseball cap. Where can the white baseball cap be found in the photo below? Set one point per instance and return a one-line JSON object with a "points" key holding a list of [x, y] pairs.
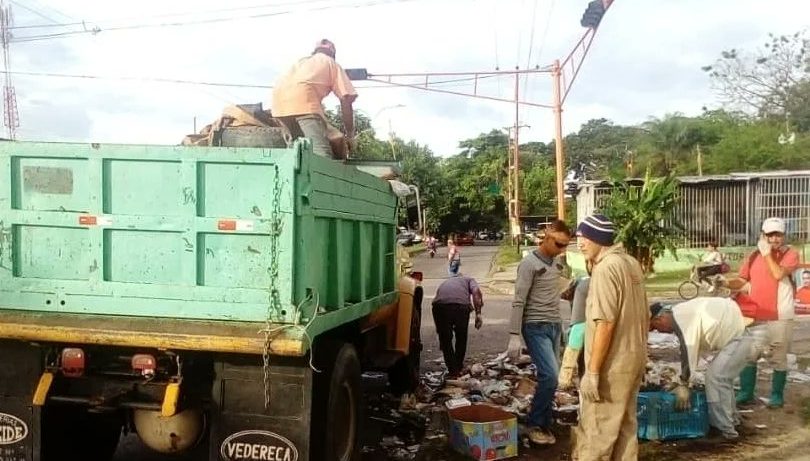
{"points": [[773, 225]]}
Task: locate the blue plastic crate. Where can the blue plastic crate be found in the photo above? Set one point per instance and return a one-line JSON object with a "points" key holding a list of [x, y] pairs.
{"points": [[658, 420]]}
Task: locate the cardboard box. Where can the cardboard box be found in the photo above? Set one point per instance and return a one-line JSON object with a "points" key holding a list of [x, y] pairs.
{"points": [[484, 432]]}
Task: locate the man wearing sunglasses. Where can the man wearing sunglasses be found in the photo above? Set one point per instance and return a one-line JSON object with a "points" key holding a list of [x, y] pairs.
{"points": [[766, 282], [536, 315]]}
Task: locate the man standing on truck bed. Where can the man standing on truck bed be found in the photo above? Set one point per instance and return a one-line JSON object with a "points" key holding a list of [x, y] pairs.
{"points": [[298, 96]]}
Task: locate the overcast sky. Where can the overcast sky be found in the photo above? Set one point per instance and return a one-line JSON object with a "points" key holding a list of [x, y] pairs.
{"points": [[644, 62]]}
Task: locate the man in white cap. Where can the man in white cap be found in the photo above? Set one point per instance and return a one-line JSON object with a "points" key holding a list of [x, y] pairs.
{"points": [[766, 280], [617, 319], [298, 96]]}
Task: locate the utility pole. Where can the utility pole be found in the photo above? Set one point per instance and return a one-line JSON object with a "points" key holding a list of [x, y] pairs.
{"points": [[11, 118], [564, 72], [699, 161], [513, 181], [516, 162], [558, 138]]}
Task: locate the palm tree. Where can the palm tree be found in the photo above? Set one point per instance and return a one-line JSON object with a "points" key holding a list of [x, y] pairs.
{"points": [[645, 217]]}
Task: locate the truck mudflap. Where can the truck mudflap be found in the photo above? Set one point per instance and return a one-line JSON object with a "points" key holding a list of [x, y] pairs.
{"points": [[244, 428], [20, 368]]}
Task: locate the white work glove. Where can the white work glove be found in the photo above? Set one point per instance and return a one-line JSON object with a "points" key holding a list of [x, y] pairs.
{"points": [[568, 368], [681, 393], [763, 246], [515, 346], [589, 387]]}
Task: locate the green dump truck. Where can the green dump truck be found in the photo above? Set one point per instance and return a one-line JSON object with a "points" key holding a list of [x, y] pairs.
{"points": [[216, 300]]}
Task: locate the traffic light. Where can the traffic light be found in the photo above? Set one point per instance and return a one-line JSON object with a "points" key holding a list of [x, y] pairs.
{"points": [[593, 14]]}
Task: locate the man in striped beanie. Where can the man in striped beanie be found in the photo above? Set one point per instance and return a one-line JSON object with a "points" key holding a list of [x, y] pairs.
{"points": [[617, 319]]}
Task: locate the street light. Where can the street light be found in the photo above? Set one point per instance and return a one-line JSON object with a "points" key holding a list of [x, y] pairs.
{"points": [[390, 130]]}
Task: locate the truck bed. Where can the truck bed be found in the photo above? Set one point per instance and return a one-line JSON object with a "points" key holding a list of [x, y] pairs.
{"points": [[161, 239]]}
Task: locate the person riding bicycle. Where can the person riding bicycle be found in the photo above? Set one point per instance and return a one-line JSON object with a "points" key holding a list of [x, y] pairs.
{"points": [[431, 245], [711, 264]]}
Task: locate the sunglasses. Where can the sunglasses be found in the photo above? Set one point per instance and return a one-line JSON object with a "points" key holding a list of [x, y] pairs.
{"points": [[774, 234]]}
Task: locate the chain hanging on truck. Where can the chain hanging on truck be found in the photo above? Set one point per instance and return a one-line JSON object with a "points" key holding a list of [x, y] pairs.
{"points": [[274, 304]]}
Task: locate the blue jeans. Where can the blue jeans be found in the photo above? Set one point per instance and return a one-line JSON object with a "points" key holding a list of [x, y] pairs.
{"points": [[452, 266], [543, 341]]}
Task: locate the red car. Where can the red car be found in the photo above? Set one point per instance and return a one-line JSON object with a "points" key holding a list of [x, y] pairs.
{"points": [[464, 239]]}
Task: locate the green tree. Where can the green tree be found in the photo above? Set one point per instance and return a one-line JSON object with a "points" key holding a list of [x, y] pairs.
{"points": [[601, 149], [645, 218], [769, 82]]}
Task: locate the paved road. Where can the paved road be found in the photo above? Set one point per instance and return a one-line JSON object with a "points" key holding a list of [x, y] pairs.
{"points": [[475, 262]]}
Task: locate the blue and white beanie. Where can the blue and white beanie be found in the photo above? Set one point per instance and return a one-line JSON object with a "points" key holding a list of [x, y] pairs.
{"points": [[597, 228]]}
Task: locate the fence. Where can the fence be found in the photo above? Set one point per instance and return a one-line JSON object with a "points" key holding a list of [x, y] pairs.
{"points": [[727, 209]]}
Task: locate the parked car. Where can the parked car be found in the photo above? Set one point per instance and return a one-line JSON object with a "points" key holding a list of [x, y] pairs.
{"points": [[483, 235], [464, 239], [417, 238], [405, 237]]}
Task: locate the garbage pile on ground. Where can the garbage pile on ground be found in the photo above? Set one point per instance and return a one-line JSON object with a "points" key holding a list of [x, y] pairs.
{"points": [[422, 416], [500, 382]]}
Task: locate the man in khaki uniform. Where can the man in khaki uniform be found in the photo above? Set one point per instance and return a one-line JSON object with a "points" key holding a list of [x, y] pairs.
{"points": [[616, 326]]}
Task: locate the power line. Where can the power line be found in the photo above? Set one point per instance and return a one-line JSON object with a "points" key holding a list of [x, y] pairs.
{"points": [[169, 15], [55, 10], [446, 83], [32, 10], [97, 29], [140, 79], [545, 31], [531, 45]]}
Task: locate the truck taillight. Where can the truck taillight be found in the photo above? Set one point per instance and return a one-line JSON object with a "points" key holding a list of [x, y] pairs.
{"points": [[72, 362], [145, 364]]}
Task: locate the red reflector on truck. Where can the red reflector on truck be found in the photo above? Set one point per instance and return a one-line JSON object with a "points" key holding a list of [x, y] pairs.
{"points": [[72, 362], [87, 220], [226, 225], [144, 363]]}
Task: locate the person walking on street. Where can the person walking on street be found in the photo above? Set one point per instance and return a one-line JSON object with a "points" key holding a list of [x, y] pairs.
{"points": [[455, 298], [298, 96], [710, 325], [616, 327], [453, 257], [536, 315], [766, 282]]}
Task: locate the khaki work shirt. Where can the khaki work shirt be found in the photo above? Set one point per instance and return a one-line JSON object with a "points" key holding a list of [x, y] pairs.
{"points": [[301, 90], [617, 295]]}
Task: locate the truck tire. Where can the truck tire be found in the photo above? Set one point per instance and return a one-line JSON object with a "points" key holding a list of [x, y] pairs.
{"points": [[74, 433], [344, 408]]}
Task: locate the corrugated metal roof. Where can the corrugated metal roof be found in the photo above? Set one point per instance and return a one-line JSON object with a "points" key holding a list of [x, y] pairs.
{"points": [[731, 177]]}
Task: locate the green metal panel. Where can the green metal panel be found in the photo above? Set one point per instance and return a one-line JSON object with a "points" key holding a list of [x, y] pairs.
{"points": [[193, 233]]}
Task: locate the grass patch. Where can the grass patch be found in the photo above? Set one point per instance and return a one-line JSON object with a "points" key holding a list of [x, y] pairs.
{"points": [[667, 281], [414, 249], [507, 254]]}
